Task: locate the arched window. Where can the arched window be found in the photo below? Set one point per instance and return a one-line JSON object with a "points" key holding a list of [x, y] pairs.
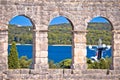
{"points": [[20, 31], [60, 43], [99, 43]]}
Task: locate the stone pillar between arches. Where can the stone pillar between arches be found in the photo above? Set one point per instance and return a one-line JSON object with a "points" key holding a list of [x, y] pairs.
{"points": [[79, 50], [40, 50], [116, 50], [3, 50]]}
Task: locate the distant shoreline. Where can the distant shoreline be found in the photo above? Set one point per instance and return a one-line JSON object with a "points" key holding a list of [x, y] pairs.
{"points": [[60, 45], [21, 44], [49, 45], [55, 45]]}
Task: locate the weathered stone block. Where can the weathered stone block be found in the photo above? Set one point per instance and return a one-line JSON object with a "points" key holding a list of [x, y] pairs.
{"points": [[116, 36], [116, 46], [3, 60], [78, 38], [116, 53], [43, 34], [40, 67], [1, 77], [79, 59], [43, 54], [3, 67], [13, 71], [79, 66], [43, 39], [24, 71], [44, 46], [3, 2], [80, 46], [1, 48], [80, 52], [41, 60], [116, 64]]}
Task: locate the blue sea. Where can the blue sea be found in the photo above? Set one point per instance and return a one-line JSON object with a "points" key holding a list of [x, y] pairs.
{"points": [[56, 53]]}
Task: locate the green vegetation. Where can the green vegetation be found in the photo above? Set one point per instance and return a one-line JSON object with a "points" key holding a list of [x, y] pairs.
{"points": [[60, 34], [102, 64], [25, 62], [63, 64], [99, 26], [52, 65], [13, 61], [22, 35], [99, 30]]}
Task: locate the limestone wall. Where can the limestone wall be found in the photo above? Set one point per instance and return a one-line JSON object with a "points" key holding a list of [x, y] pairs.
{"points": [[60, 74], [41, 12]]}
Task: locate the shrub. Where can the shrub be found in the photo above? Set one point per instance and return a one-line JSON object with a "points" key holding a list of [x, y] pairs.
{"points": [[13, 61]]}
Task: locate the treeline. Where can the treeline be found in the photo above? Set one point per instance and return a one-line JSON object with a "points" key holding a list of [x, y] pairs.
{"points": [[14, 62], [63, 64], [94, 35], [66, 64], [101, 64], [22, 35], [97, 31], [61, 34], [99, 26]]}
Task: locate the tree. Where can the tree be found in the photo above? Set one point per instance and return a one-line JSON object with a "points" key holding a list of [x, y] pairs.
{"points": [[65, 63], [102, 64], [25, 62], [13, 61], [51, 64]]}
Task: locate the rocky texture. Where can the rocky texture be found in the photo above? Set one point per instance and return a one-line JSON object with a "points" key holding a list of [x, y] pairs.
{"points": [[41, 12], [61, 74]]}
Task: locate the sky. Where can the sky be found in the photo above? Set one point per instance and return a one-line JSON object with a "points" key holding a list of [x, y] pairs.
{"points": [[20, 21], [99, 19], [23, 21]]}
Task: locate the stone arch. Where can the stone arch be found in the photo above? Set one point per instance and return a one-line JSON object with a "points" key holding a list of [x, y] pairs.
{"points": [[112, 28], [34, 38], [31, 20], [109, 19], [55, 15], [67, 15]]}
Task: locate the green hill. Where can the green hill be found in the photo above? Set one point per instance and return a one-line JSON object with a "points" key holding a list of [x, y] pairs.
{"points": [[99, 26], [61, 34], [99, 30], [22, 35]]}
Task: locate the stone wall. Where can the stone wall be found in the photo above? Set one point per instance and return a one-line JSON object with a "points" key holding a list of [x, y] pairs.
{"points": [[41, 12], [60, 74]]}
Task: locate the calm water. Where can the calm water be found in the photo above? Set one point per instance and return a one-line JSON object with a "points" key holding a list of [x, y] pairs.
{"points": [[23, 50], [56, 53]]}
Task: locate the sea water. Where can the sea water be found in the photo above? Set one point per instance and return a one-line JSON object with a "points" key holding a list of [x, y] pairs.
{"points": [[56, 53]]}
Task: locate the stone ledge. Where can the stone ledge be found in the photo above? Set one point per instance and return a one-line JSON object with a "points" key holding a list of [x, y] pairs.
{"points": [[3, 30], [40, 30], [82, 31], [116, 31], [94, 74]]}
